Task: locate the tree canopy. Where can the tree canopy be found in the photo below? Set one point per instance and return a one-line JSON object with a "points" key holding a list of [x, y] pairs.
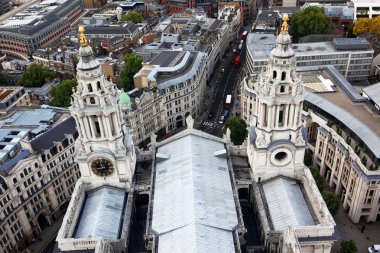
{"points": [[35, 76], [367, 26], [132, 16], [238, 129], [61, 93], [308, 158], [131, 67], [348, 246], [332, 202], [319, 180], [3, 79], [312, 20]]}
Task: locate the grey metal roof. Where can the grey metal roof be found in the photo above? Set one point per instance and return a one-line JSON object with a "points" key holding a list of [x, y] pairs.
{"points": [[193, 207], [344, 84], [37, 118], [57, 133], [12, 162], [185, 76], [101, 216], [371, 140], [351, 44], [167, 58], [373, 92], [286, 204], [129, 29]]}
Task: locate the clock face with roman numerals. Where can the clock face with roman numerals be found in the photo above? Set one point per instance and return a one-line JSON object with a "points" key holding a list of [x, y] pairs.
{"points": [[102, 167]]}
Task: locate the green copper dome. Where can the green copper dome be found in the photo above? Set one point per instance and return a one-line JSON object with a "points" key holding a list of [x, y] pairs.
{"points": [[124, 98]]}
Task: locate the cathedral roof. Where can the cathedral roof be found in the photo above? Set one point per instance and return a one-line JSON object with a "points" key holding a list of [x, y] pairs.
{"points": [[194, 208], [87, 60], [124, 98], [283, 48]]}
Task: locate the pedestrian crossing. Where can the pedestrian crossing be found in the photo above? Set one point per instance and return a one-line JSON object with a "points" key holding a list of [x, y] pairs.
{"points": [[213, 128]]}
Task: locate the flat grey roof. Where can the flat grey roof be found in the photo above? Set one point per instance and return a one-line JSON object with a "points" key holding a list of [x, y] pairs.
{"points": [[36, 120], [286, 204], [101, 215], [351, 44], [354, 116], [168, 58], [344, 84], [373, 92], [193, 208], [259, 45]]}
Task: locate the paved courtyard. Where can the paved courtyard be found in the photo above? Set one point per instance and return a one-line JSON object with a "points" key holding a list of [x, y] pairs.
{"points": [[351, 231]]}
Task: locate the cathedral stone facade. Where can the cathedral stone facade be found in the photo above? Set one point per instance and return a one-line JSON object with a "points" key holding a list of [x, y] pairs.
{"points": [[98, 216], [292, 215]]}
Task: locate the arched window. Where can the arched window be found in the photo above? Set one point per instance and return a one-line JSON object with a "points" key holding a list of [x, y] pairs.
{"points": [[283, 76], [92, 100], [274, 74], [282, 89], [89, 87], [98, 85]]}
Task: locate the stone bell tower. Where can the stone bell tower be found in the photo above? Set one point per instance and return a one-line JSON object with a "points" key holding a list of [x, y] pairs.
{"points": [[276, 132], [104, 148]]}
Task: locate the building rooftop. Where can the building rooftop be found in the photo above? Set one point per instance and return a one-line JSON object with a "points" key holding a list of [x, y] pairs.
{"points": [[194, 208], [185, 70], [168, 58], [260, 45], [286, 204], [57, 133], [102, 214], [129, 28], [373, 92], [36, 17], [36, 121]]}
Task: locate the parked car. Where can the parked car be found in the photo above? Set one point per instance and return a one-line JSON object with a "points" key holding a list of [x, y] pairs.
{"points": [[221, 119], [374, 249], [225, 114]]}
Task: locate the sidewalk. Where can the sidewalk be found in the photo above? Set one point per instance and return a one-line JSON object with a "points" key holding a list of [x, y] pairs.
{"points": [[47, 235], [351, 231]]}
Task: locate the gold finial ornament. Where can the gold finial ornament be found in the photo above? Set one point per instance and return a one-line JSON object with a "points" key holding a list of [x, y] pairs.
{"points": [[284, 27], [82, 38]]}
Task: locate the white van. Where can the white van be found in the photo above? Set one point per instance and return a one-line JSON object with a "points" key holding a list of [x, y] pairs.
{"points": [[374, 249]]}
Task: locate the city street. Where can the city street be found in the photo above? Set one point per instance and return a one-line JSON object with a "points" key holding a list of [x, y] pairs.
{"points": [[224, 82]]}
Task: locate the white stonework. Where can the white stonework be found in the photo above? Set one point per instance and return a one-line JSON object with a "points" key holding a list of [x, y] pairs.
{"points": [[105, 155], [278, 146], [357, 187], [35, 191], [292, 213]]}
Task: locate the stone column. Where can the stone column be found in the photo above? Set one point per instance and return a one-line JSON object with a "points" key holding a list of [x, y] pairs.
{"points": [[82, 127], [86, 124], [102, 130], [286, 111], [277, 115], [92, 127], [291, 115]]}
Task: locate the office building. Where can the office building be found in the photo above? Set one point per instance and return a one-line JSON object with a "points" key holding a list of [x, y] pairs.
{"points": [[352, 57]]}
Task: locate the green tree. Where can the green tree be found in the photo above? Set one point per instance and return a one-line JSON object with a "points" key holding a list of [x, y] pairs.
{"points": [[308, 158], [61, 93], [238, 129], [348, 246], [320, 182], [131, 67], [35, 76], [367, 26], [132, 16], [3, 79], [332, 202], [312, 20]]}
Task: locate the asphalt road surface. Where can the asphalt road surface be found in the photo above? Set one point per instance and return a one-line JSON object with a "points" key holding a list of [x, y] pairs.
{"points": [[224, 80]]}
